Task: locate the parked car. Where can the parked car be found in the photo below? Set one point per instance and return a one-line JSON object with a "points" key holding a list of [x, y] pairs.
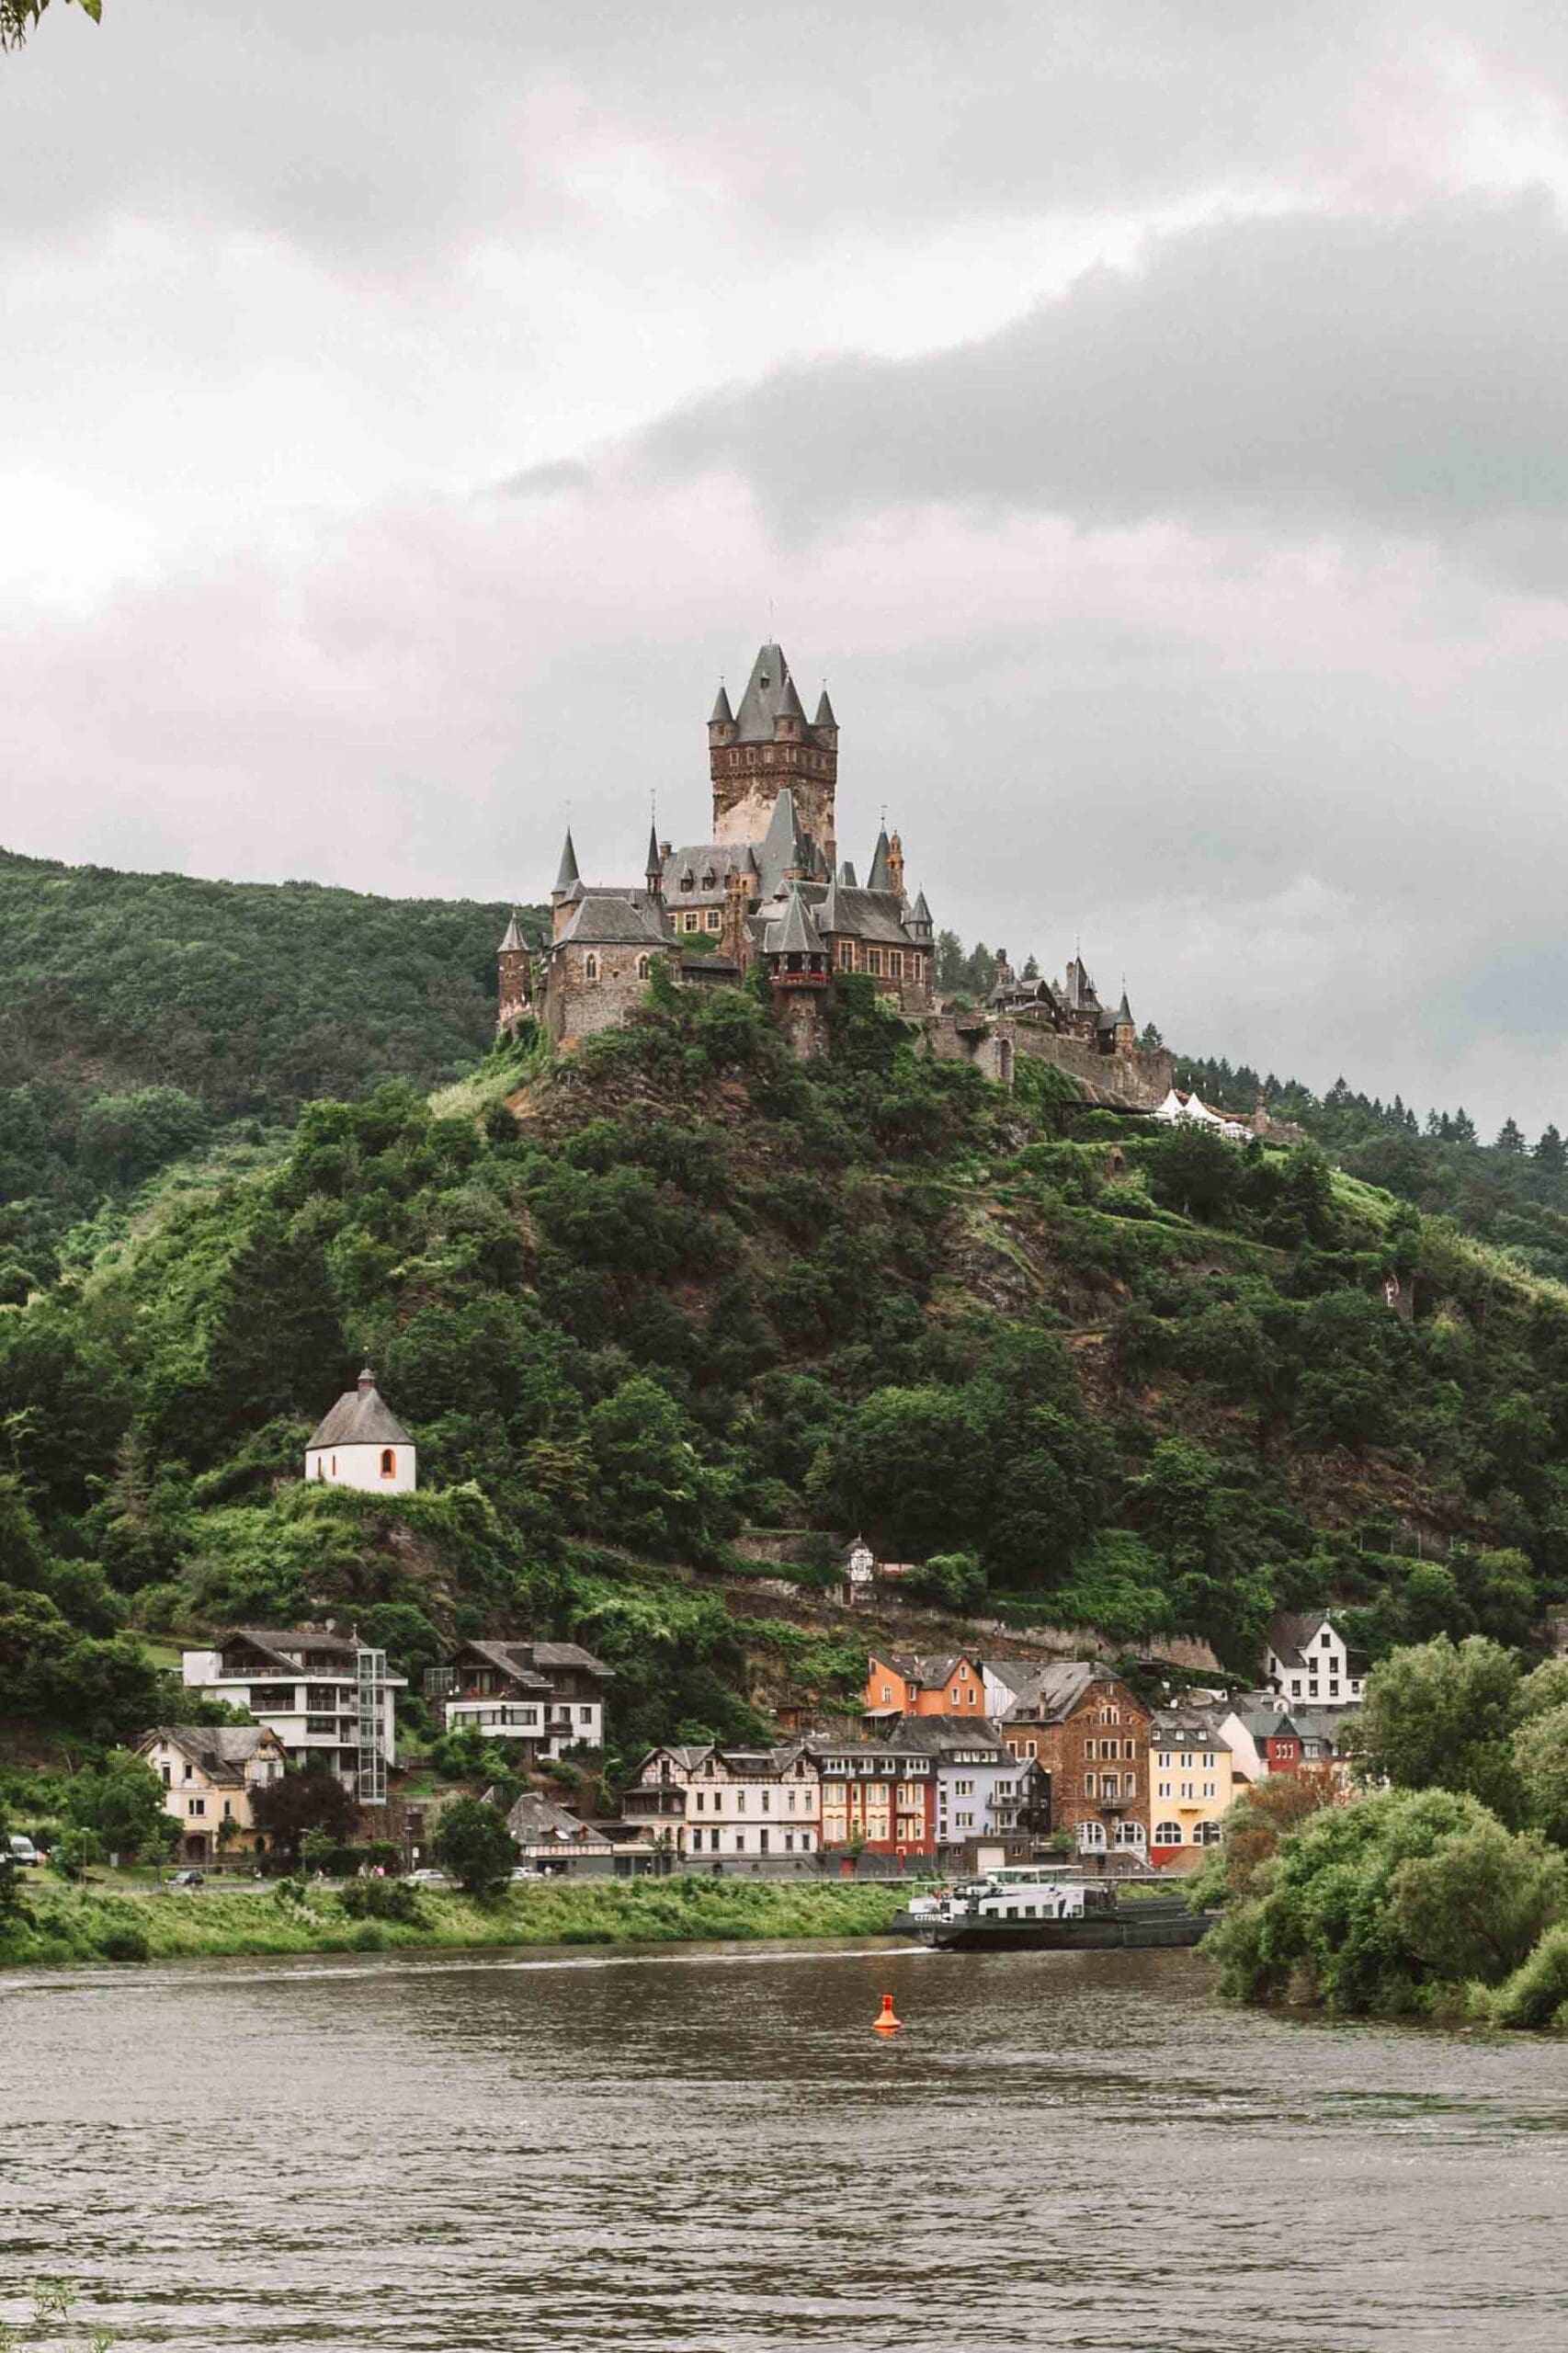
{"points": [[21, 1849], [428, 1878], [188, 1879], [526, 1870]]}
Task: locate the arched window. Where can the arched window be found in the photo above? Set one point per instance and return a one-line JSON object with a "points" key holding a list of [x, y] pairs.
{"points": [[389, 1462], [1129, 1834], [645, 967], [1167, 1834], [1207, 1833], [1091, 1834], [590, 967]]}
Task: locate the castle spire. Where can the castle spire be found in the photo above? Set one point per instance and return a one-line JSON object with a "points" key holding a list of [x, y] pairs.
{"points": [[654, 869], [880, 877], [568, 874], [722, 715]]}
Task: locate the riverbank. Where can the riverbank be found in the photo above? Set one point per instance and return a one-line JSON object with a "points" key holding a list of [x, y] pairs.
{"points": [[62, 1924]]}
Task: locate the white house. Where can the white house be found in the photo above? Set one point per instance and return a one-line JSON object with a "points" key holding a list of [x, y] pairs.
{"points": [[1307, 1658], [362, 1444], [303, 1683], [546, 1696], [735, 1805]]}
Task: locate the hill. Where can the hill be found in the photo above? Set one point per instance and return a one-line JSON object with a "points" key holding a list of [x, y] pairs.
{"points": [[631, 1302], [143, 1014]]}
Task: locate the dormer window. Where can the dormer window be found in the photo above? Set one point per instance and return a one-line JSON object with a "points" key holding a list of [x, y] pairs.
{"points": [[688, 881], [709, 879]]}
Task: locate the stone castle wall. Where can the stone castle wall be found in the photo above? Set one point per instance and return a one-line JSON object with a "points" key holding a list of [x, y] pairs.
{"points": [[1139, 1081]]}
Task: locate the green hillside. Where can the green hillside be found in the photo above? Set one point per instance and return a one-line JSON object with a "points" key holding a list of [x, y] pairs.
{"points": [[143, 1014], [631, 1302]]}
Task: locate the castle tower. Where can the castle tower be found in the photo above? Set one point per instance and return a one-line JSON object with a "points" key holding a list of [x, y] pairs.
{"points": [[895, 865], [768, 742], [654, 872], [568, 889], [515, 975], [362, 1444]]}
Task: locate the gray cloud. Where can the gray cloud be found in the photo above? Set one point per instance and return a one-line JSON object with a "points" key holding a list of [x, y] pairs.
{"points": [[1306, 372]]}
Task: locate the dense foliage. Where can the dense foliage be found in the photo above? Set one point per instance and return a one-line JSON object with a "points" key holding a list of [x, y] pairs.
{"points": [[631, 1301], [143, 1016]]}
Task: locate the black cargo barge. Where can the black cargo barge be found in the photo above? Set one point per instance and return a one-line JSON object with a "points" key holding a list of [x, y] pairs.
{"points": [[1104, 1925]]}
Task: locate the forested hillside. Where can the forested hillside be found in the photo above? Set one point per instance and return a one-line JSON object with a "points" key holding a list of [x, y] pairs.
{"points": [[629, 1302], [143, 1014]]}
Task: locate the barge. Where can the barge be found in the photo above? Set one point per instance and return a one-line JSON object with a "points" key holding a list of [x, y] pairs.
{"points": [[1015, 1911]]}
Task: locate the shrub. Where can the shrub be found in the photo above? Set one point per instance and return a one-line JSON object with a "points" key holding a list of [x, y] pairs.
{"points": [[1537, 1993], [381, 1899]]}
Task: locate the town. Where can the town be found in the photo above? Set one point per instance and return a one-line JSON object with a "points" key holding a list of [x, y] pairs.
{"points": [[960, 1762]]}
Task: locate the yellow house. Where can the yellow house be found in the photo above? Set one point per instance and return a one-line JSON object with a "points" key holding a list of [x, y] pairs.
{"points": [[1190, 1781], [210, 1773]]}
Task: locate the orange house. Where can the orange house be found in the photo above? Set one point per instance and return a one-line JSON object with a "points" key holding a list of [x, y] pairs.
{"points": [[904, 1685]]}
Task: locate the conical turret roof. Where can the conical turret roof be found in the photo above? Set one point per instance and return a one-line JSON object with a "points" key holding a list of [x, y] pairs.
{"points": [[655, 863], [568, 874], [512, 938], [723, 716], [789, 703], [880, 877], [920, 912], [824, 717]]}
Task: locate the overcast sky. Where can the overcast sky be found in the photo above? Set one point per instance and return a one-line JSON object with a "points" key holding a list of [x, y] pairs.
{"points": [[1151, 417]]}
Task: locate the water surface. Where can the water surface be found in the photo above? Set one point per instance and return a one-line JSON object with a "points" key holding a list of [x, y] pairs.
{"points": [[711, 2152]]}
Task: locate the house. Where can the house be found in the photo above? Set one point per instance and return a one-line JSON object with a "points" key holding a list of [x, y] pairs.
{"points": [[1082, 1724], [901, 1684], [362, 1444], [1267, 1735], [989, 1802], [210, 1773], [547, 1697], [728, 1806], [1190, 1779], [1306, 1657], [877, 1799], [327, 1696]]}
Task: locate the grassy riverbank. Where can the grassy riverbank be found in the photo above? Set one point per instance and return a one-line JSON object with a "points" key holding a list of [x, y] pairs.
{"points": [[68, 1924]]}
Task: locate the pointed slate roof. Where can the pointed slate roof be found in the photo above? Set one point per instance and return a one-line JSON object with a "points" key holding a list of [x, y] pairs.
{"points": [[1124, 1011], [920, 912], [782, 846], [797, 935], [361, 1418], [880, 878], [824, 717], [764, 696], [617, 919], [511, 937], [722, 715], [655, 863], [568, 874], [847, 875], [789, 703]]}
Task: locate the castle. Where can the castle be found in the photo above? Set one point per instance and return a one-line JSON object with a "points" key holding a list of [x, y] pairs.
{"points": [[769, 890]]}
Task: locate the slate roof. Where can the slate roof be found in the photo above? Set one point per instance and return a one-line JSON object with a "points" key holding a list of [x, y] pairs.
{"points": [[796, 934], [361, 1418], [222, 1751], [1292, 1637], [535, 1821], [511, 937], [770, 690], [532, 1663], [880, 877], [722, 715], [567, 874], [824, 717], [875, 916], [1046, 1694], [699, 859], [1173, 1728], [281, 1643], [936, 1735], [617, 919]]}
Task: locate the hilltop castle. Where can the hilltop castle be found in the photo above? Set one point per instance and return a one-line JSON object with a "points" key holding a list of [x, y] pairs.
{"points": [[769, 889]]}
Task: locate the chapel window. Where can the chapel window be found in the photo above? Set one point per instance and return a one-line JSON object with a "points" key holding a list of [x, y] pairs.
{"points": [[389, 1462]]}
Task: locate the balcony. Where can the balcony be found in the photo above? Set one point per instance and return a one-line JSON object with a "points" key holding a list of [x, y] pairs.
{"points": [[656, 1802]]}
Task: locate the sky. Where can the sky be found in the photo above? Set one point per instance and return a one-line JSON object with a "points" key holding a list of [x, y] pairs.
{"points": [[1148, 416]]}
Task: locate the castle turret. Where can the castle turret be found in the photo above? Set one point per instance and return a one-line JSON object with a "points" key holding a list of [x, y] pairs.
{"points": [[654, 871], [515, 976], [766, 746], [568, 888], [1126, 1035], [895, 865], [918, 923]]}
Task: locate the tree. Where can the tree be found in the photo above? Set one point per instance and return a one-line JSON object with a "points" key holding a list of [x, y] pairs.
{"points": [[299, 1800], [1150, 1038], [1551, 1155], [123, 1802], [1194, 1169], [952, 1580], [475, 1846], [1475, 1906], [1541, 1755], [1510, 1139], [1441, 1716], [317, 1847], [17, 17]]}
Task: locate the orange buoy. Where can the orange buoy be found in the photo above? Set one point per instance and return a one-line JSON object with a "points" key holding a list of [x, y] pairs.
{"points": [[884, 2022]]}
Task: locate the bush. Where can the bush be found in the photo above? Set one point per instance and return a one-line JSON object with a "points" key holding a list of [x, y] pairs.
{"points": [[1537, 1993], [126, 1940], [381, 1899]]}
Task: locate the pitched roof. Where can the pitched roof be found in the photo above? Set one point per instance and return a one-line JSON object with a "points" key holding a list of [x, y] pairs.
{"points": [[1183, 1728], [282, 1642], [824, 717], [535, 1821], [1291, 1634], [868, 915], [221, 1750], [722, 715], [361, 1418], [511, 937], [768, 690], [920, 913], [880, 877], [1048, 1694], [568, 870], [617, 919], [796, 934], [936, 1736]]}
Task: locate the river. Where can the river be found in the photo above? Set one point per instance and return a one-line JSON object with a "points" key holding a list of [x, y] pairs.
{"points": [[711, 2152]]}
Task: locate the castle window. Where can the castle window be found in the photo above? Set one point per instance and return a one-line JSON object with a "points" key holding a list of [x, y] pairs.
{"points": [[644, 968], [389, 1462], [690, 921], [873, 960], [590, 967], [847, 955], [709, 879], [688, 881], [714, 919], [895, 964]]}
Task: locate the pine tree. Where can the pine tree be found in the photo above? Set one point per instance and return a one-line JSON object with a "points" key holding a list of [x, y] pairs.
{"points": [[1510, 1138], [1550, 1155], [1463, 1127]]}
